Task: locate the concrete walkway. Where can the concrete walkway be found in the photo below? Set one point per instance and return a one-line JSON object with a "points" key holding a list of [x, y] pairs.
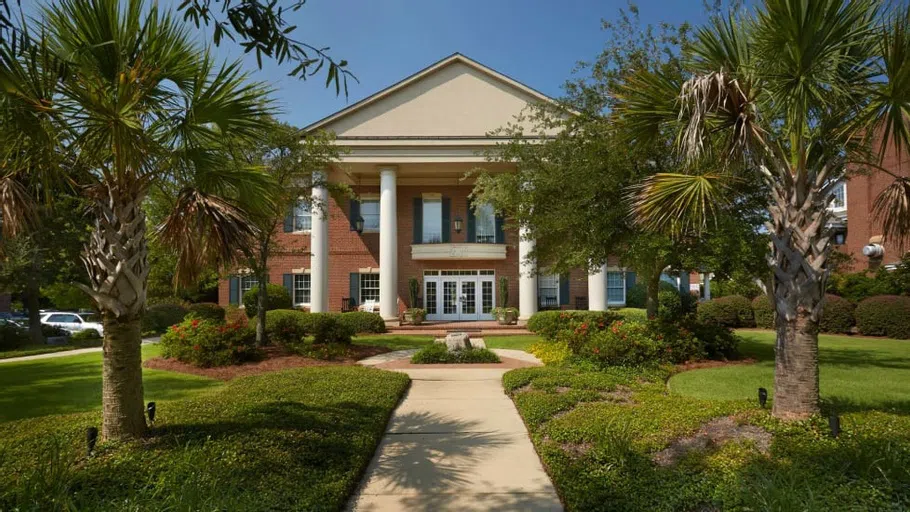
{"points": [[64, 353], [456, 442]]}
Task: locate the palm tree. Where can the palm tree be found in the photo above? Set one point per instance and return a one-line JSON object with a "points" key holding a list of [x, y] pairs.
{"points": [[139, 105], [795, 93]]}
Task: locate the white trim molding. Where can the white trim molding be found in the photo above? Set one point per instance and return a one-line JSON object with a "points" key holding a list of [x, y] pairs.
{"points": [[458, 252]]}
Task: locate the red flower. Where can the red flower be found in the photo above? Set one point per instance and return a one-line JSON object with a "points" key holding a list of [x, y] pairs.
{"points": [[195, 322], [197, 347], [596, 350]]}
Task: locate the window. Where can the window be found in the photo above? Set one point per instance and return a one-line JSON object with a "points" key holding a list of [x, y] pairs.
{"points": [[247, 283], [548, 290], [840, 197], [616, 288], [63, 319], [301, 289], [369, 287], [432, 221], [840, 238], [485, 224], [302, 220], [369, 210]]}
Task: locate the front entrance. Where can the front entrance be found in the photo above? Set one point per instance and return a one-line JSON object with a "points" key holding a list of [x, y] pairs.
{"points": [[452, 295]]}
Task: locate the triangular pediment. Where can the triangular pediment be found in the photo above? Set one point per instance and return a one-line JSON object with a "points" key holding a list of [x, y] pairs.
{"points": [[456, 97]]}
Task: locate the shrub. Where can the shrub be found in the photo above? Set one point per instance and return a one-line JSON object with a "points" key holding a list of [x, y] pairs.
{"points": [[632, 314], [278, 298], [549, 323], [205, 343], [207, 311], [637, 296], [173, 301], [678, 343], [885, 315], [363, 322], [624, 344], [328, 328], [438, 353], [12, 336], [551, 352], [159, 317], [51, 331], [763, 311], [837, 315], [731, 311], [673, 306], [717, 341], [86, 338], [287, 326]]}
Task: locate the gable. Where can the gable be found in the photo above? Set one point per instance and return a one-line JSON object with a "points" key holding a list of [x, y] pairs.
{"points": [[459, 98]]}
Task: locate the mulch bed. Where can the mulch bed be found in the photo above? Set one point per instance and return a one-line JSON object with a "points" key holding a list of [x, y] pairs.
{"points": [[274, 359], [698, 365], [507, 364]]}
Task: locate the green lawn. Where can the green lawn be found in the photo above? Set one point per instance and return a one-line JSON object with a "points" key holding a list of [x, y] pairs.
{"points": [[398, 342], [71, 384], [855, 373], [291, 440], [35, 349]]}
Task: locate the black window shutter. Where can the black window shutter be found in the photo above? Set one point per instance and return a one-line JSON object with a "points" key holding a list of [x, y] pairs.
{"points": [[418, 220], [500, 233], [234, 290], [563, 289], [446, 220], [355, 288], [289, 220], [472, 223], [355, 213], [288, 281], [630, 280]]}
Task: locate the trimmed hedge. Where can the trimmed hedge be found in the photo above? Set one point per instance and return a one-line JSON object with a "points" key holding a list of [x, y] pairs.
{"points": [[731, 311], [549, 323], [837, 316], [438, 353], [289, 326], [278, 298], [12, 336], [329, 328], [363, 322], [637, 296], [205, 343], [159, 317], [207, 311], [885, 315], [763, 311], [632, 314]]}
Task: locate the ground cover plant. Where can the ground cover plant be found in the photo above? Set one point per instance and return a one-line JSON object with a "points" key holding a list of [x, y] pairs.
{"points": [[438, 353], [216, 451]]}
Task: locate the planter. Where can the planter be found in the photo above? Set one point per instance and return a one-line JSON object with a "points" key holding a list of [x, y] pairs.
{"points": [[507, 317], [415, 317]]}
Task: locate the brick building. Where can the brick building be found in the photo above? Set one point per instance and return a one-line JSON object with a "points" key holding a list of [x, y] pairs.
{"points": [[409, 148]]}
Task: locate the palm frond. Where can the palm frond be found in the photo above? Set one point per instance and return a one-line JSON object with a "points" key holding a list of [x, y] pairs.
{"points": [[648, 102], [891, 209], [206, 231], [18, 210], [679, 204]]}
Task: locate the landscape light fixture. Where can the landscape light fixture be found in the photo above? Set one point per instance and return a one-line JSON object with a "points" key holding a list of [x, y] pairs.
{"points": [[151, 411], [91, 437], [458, 224], [762, 397], [834, 423], [358, 225]]}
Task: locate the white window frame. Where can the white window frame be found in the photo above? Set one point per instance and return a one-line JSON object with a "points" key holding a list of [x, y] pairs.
{"points": [[540, 281], [367, 217], [247, 283], [306, 280], [622, 285], [373, 288], [297, 217], [486, 212], [431, 237], [832, 207]]}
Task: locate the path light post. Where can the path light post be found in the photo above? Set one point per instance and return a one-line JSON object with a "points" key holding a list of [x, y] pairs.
{"points": [[151, 411], [762, 397], [834, 423], [91, 437]]}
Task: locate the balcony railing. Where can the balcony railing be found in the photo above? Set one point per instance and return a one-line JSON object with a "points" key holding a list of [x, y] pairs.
{"points": [[548, 304]]}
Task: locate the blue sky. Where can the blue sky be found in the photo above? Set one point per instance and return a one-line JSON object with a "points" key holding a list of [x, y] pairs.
{"points": [[536, 42]]}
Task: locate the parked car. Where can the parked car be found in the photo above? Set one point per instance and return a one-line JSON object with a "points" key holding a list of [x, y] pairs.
{"points": [[73, 321]]}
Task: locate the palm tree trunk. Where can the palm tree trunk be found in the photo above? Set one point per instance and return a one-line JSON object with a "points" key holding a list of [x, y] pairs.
{"points": [[116, 258], [652, 301], [34, 314], [122, 393], [799, 253]]}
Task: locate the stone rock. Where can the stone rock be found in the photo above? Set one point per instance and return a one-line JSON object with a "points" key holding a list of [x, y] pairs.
{"points": [[458, 341]]}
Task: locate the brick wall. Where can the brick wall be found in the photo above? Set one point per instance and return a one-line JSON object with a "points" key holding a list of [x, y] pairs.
{"points": [[350, 251], [861, 193]]}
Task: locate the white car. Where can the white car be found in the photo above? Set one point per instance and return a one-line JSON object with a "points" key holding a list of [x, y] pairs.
{"points": [[73, 321]]}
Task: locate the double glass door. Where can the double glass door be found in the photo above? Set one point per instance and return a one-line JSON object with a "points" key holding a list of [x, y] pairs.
{"points": [[459, 294]]}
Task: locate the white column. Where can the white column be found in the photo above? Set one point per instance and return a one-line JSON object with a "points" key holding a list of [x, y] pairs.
{"points": [[388, 244], [319, 245], [597, 290], [707, 286], [527, 276]]}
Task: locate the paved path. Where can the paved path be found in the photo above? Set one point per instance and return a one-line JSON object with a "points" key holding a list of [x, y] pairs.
{"points": [[456, 442], [68, 352]]}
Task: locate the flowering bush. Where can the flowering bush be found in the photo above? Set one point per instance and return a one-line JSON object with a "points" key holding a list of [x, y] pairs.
{"points": [[625, 344], [206, 343], [552, 324], [287, 326]]}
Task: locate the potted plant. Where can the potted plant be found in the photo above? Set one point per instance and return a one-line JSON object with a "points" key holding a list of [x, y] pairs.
{"points": [[413, 314], [505, 315]]}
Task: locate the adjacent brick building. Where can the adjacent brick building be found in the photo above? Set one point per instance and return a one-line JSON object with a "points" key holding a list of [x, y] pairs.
{"points": [[409, 149]]}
